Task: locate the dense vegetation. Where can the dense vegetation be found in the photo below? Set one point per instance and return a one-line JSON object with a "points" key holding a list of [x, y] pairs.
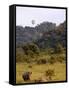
{"points": [[44, 44]]}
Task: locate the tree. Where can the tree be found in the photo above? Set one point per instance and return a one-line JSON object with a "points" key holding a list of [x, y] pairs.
{"points": [[30, 49], [58, 48], [25, 49], [34, 48]]}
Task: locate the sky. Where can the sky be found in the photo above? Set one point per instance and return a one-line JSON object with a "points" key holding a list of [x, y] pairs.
{"points": [[25, 15]]}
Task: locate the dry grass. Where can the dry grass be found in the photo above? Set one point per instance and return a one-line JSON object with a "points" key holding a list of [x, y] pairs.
{"points": [[38, 71]]}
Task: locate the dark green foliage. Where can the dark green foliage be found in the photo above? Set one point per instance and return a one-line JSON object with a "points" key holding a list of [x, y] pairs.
{"points": [[46, 34], [30, 49], [51, 39], [26, 52], [34, 48], [44, 39], [25, 48]]}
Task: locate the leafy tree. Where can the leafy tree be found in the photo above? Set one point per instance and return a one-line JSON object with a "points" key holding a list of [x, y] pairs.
{"points": [[58, 48], [25, 48], [30, 49], [34, 48]]}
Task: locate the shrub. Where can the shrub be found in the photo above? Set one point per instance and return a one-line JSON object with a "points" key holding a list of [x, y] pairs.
{"points": [[41, 61], [58, 48], [49, 73], [25, 49], [34, 48], [19, 57], [50, 50], [61, 59], [52, 60], [30, 49], [30, 66]]}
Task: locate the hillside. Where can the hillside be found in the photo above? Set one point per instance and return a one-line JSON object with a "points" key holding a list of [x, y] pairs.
{"points": [[44, 35]]}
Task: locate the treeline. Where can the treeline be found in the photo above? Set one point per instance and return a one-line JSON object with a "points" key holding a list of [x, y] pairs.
{"points": [[44, 35], [43, 39], [53, 38], [31, 53]]}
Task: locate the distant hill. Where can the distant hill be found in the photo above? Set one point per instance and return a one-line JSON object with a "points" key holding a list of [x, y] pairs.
{"points": [[46, 34]]}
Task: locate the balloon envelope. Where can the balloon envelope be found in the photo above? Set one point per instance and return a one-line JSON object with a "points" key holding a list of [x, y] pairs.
{"points": [[33, 22]]}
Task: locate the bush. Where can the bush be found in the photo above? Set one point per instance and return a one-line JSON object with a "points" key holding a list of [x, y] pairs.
{"points": [[30, 49], [25, 49], [41, 61], [30, 66], [34, 48], [52, 60], [50, 51], [19, 57], [49, 73], [61, 59], [58, 48]]}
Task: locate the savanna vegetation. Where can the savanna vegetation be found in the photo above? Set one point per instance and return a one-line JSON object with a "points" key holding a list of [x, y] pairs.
{"points": [[44, 56]]}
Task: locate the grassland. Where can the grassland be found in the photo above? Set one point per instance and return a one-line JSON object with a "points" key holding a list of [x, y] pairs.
{"points": [[38, 70]]}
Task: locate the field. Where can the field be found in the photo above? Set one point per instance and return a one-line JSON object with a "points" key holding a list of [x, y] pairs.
{"points": [[38, 70]]}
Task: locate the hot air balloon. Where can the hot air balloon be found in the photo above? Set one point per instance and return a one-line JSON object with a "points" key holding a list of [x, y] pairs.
{"points": [[33, 22]]}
